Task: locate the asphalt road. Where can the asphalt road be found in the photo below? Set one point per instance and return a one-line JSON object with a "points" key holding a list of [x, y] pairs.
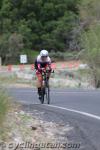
{"points": [[79, 108]]}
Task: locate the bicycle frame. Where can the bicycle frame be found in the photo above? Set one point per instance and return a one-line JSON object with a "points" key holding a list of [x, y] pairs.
{"points": [[45, 87], [45, 80]]}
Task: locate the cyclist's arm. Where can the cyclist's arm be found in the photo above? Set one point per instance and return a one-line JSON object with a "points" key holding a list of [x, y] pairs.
{"points": [[49, 66], [49, 63], [39, 67], [35, 64]]}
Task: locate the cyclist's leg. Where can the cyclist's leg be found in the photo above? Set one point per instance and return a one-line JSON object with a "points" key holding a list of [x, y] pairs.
{"points": [[39, 83], [48, 76]]}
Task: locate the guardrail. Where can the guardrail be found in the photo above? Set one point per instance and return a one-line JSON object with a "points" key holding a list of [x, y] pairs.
{"points": [[23, 67]]}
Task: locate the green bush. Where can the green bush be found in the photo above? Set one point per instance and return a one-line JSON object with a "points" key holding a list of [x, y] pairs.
{"points": [[63, 56], [91, 54], [90, 37]]}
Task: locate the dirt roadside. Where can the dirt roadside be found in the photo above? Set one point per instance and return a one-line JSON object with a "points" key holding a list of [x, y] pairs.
{"points": [[26, 130]]}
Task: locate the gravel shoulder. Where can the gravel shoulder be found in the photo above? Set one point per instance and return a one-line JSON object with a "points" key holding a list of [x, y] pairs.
{"points": [[23, 125]]}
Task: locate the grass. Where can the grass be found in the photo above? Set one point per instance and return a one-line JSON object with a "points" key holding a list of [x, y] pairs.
{"points": [[7, 110], [12, 80], [84, 73], [4, 105], [7, 80]]}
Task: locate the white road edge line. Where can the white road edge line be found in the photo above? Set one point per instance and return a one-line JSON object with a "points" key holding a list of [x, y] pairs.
{"points": [[76, 111], [55, 92]]}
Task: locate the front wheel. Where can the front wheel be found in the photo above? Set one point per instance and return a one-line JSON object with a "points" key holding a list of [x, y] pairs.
{"points": [[48, 95], [42, 95]]}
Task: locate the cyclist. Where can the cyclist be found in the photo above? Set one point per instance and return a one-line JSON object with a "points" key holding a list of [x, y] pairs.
{"points": [[42, 62]]}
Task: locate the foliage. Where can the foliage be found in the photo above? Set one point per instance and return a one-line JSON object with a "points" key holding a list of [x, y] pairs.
{"points": [[31, 54], [46, 24], [90, 38], [10, 47], [65, 56]]}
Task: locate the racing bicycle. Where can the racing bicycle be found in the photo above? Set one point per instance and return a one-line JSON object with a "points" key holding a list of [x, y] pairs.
{"points": [[45, 89]]}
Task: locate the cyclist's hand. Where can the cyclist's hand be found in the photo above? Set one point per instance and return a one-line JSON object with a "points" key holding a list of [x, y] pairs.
{"points": [[49, 69], [43, 69]]}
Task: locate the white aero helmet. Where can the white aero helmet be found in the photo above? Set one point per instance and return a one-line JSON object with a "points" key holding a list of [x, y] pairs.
{"points": [[44, 53]]}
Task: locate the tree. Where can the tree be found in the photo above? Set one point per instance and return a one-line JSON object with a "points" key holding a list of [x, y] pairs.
{"points": [[10, 47], [91, 37], [4, 47], [15, 42], [42, 23]]}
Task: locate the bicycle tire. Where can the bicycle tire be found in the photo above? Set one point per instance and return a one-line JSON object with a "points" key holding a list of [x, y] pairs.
{"points": [[42, 97], [48, 95]]}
